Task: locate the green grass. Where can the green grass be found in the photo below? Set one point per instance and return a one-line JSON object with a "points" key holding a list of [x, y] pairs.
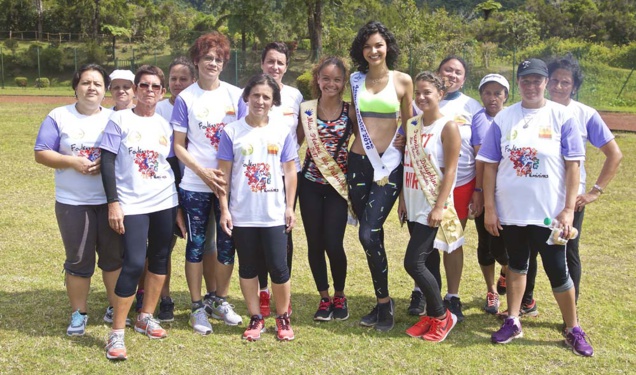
{"points": [[34, 308]]}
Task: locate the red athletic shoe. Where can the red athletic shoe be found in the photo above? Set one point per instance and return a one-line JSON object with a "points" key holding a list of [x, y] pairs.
{"points": [[420, 328], [440, 328], [254, 329], [150, 327], [283, 328], [265, 309]]}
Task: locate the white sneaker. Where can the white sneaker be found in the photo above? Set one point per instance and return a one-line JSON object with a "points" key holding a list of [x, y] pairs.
{"points": [[208, 303], [199, 322], [78, 324], [225, 312], [108, 316]]}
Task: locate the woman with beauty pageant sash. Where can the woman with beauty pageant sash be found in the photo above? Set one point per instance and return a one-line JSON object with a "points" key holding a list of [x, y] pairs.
{"points": [[380, 95], [426, 202], [323, 194]]}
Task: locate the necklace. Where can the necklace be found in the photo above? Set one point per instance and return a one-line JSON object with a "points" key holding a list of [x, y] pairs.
{"points": [[375, 81], [526, 120], [333, 114]]}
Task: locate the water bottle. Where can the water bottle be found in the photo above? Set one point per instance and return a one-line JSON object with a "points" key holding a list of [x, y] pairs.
{"points": [[556, 235]]}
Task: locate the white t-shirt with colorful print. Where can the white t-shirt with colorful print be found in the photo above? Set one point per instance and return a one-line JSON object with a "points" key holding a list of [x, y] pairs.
{"points": [[203, 114], [531, 147], [145, 181], [70, 133], [257, 195]]}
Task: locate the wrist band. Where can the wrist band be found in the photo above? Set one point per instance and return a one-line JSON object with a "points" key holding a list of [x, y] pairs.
{"points": [[479, 190], [598, 188]]}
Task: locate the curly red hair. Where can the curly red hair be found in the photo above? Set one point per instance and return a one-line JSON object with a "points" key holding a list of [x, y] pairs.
{"points": [[214, 41]]}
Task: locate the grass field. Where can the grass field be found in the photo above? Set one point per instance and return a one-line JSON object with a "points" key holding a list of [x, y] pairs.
{"points": [[34, 309]]}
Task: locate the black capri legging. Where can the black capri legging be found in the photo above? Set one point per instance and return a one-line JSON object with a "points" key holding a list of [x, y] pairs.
{"points": [[372, 205], [420, 247], [573, 261], [324, 214], [262, 245], [146, 234], [521, 241], [489, 247]]}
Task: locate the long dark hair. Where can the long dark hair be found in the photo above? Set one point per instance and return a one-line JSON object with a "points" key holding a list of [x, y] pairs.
{"points": [[569, 63], [372, 27]]}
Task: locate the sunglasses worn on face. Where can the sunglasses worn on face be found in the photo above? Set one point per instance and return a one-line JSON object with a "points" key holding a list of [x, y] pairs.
{"points": [[146, 86]]}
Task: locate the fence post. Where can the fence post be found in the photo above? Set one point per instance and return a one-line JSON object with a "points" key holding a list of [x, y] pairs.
{"points": [[132, 61], [39, 78], [236, 62], [2, 65], [75, 57], [514, 63]]}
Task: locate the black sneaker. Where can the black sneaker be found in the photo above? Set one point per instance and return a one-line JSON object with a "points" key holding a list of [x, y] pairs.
{"points": [[455, 306], [340, 308], [166, 310], [325, 310], [418, 303], [501, 285], [371, 319], [386, 318]]}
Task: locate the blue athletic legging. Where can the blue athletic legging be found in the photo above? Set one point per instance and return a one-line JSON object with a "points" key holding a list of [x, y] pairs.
{"points": [[372, 204], [149, 234]]}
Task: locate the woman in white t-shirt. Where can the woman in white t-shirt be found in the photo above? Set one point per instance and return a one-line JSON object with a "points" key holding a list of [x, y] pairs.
{"points": [[68, 142], [426, 202], [253, 155], [200, 113], [532, 153], [139, 180], [275, 60]]}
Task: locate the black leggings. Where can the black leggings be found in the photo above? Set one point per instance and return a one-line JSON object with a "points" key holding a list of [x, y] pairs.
{"points": [[149, 234], [262, 270], [573, 262], [489, 247], [257, 246], [372, 204], [420, 247], [521, 242], [324, 214]]}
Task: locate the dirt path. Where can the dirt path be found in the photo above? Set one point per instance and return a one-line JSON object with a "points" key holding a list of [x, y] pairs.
{"points": [[615, 121]]}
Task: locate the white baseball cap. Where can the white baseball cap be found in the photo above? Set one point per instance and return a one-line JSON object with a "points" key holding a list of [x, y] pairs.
{"points": [[493, 77], [122, 74]]}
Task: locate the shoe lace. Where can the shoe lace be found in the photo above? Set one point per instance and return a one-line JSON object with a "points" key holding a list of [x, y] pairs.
{"points": [[492, 299], [200, 315], [580, 337], [436, 324], [324, 305], [415, 297], [283, 322], [338, 302], [502, 281], [254, 322], [115, 341], [151, 324], [77, 319]]}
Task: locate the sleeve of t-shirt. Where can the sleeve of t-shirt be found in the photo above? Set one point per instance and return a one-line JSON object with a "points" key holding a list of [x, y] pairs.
{"points": [[49, 136], [112, 138], [490, 150], [179, 120], [289, 150], [597, 131], [226, 148], [479, 129], [572, 147]]}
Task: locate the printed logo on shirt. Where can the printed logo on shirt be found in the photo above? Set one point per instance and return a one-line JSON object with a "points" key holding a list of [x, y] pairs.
{"points": [[512, 135], [213, 133], [229, 111], [545, 132], [461, 119], [201, 113], [258, 177], [147, 161], [247, 150], [524, 161], [288, 111], [163, 140], [90, 153], [76, 133], [272, 148]]}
